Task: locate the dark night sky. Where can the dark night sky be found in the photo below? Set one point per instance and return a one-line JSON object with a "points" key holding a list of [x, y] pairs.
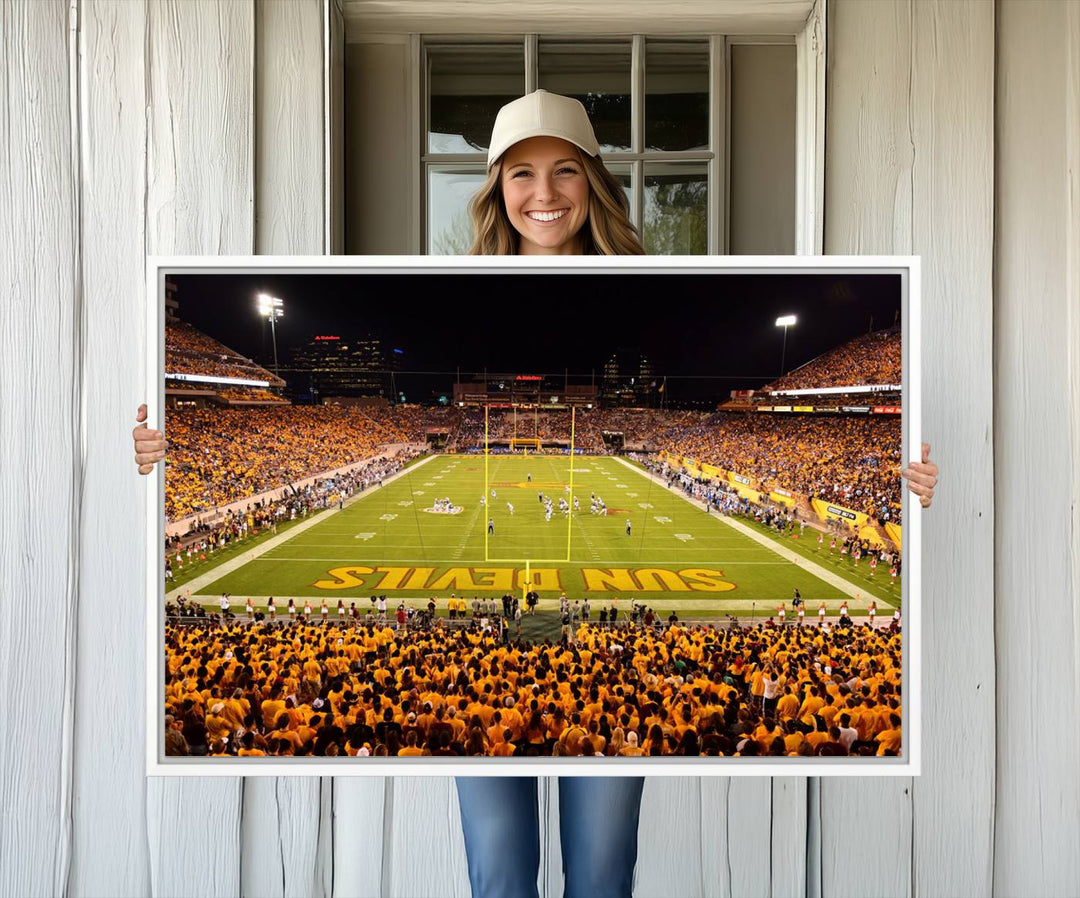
{"points": [[697, 326]]}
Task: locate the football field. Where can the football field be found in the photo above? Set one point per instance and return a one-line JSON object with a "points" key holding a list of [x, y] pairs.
{"points": [[395, 540]]}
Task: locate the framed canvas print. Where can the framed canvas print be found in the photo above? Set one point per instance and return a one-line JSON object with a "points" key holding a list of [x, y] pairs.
{"points": [[508, 516]]}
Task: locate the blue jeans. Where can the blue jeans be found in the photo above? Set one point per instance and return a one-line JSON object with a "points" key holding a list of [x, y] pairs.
{"points": [[598, 823]]}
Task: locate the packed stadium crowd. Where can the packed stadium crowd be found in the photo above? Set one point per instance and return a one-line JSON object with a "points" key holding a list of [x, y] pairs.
{"points": [[335, 689], [189, 351], [853, 461], [252, 394], [871, 359], [650, 427], [217, 456]]}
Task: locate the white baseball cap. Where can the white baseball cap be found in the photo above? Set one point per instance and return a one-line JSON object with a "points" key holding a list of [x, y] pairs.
{"points": [[541, 114]]}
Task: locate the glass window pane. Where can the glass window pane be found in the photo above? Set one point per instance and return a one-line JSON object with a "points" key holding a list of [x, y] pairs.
{"points": [[467, 85], [676, 209], [624, 175], [449, 191], [762, 160], [597, 74], [676, 95]]}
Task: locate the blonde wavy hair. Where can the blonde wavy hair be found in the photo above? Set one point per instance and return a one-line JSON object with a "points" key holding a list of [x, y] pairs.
{"points": [[608, 230]]}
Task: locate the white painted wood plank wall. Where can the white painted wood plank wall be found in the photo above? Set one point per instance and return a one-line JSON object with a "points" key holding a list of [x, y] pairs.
{"points": [[1036, 368], [199, 196], [41, 435], [178, 127], [109, 822], [909, 150], [282, 816]]}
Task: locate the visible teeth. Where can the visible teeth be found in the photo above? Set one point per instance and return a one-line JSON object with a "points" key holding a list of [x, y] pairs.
{"points": [[547, 216]]}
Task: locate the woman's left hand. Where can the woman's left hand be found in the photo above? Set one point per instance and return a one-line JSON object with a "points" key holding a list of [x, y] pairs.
{"points": [[922, 477]]}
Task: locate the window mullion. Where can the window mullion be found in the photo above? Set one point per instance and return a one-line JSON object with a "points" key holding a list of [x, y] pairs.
{"points": [[725, 171], [637, 129], [420, 231], [718, 144], [532, 62]]}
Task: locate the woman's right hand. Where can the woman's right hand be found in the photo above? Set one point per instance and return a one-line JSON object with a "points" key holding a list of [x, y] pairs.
{"points": [[149, 444]]}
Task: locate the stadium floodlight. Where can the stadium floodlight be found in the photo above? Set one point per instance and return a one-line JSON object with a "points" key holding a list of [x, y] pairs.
{"points": [[273, 308], [784, 321]]}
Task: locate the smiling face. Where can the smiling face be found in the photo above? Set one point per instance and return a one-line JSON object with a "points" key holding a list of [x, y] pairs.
{"points": [[546, 195]]}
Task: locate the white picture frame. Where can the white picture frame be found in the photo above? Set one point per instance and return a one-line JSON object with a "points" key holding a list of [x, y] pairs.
{"points": [[909, 764]]}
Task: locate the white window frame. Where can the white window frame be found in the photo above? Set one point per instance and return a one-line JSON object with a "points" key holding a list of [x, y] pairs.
{"points": [[809, 137]]}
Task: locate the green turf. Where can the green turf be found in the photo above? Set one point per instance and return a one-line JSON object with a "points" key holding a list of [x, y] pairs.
{"points": [[677, 556]]}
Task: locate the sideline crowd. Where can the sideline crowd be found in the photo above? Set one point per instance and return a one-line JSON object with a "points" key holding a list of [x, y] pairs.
{"points": [[300, 688]]}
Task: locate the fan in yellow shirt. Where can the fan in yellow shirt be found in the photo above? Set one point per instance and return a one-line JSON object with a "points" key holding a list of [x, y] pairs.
{"points": [[248, 749], [788, 705], [811, 705], [217, 724], [573, 735], [271, 708], [630, 749], [504, 748], [411, 749], [889, 740]]}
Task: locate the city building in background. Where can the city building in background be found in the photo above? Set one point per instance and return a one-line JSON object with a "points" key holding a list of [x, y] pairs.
{"points": [[629, 380], [335, 366]]}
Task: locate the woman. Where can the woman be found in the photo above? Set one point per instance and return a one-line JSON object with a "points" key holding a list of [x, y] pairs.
{"points": [[547, 193]]}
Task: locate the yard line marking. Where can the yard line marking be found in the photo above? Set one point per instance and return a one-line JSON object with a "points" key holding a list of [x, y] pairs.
{"points": [[738, 545], [588, 543], [468, 532], [412, 547], [712, 561]]}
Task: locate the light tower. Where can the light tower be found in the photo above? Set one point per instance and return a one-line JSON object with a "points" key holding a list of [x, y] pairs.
{"points": [[273, 308], [784, 321]]}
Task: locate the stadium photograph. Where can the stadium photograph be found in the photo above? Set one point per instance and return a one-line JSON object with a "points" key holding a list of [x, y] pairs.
{"points": [[451, 515]]}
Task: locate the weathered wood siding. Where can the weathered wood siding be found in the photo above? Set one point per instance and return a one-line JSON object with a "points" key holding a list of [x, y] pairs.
{"points": [[909, 152], [1037, 449], [953, 133]]}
